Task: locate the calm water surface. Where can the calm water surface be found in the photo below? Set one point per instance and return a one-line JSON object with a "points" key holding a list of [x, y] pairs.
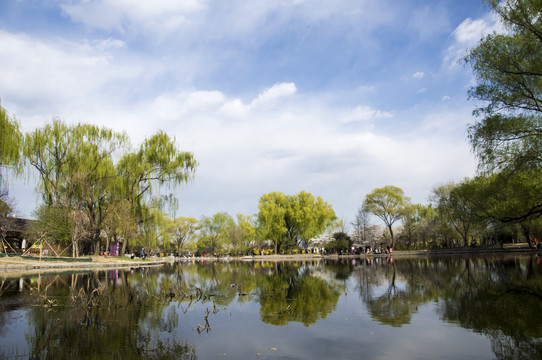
{"points": [[423, 308]]}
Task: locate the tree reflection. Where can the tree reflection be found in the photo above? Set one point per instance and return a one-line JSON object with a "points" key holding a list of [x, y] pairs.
{"points": [[395, 306], [497, 297], [504, 305], [296, 294], [83, 315]]}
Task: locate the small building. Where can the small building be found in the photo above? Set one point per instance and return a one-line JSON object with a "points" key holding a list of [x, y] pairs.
{"points": [[13, 231]]}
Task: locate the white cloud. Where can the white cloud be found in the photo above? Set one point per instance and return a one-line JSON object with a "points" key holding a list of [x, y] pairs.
{"points": [[60, 74], [467, 35], [275, 92], [418, 75], [363, 114], [117, 14], [192, 20]]}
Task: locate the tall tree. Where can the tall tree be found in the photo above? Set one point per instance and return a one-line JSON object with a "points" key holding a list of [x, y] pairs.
{"points": [[508, 70], [388, 204]]}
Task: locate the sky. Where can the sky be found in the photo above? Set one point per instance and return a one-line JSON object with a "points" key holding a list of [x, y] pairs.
{"points": [[336, 98]]}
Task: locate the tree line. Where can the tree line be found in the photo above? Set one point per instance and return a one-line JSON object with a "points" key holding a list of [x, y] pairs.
{"points": [[97, 189]]}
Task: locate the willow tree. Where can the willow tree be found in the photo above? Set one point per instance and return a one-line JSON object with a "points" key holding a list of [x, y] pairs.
{"points": [[156, 163], [76, 171], [289, 220], [388, 204], [508, 70], [271, 218], [507, 135], [308, 217], [10, 142]]}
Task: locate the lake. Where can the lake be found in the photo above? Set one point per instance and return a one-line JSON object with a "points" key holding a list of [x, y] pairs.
{"points": [[486, 307]]}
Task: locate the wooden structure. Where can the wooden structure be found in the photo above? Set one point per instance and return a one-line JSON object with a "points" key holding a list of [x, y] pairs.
{"points": [[12, 232]]}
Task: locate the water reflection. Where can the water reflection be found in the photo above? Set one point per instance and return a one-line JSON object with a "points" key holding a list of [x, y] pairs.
{"points": [[180, 311]]}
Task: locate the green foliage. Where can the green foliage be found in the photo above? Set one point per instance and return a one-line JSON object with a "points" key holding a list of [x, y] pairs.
{"points": [[272, 218], [245, 231], [422, 228], [214, 232], [157, 162], [293, 220], [457, 205], [508, 70], [11, 139], [341, 243], [10, 144], [388, 204], [308, 217], [54, 224], [510, 197], [183, 231], [292, 295]]}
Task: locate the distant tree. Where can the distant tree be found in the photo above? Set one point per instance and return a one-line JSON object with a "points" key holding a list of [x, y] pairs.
{"points": [[364, 231], [214, 232], [293, 220], [184, 231], [456, 203], [388, 204], [271, 218], [242, 234], [308, 217], [341, 243]]}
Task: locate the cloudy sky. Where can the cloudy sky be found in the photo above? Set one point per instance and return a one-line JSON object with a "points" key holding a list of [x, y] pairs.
{"points": [[334, 97]]}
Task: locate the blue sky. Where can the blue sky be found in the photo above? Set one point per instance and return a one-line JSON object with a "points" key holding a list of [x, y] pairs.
{"points": [[332, 97]]}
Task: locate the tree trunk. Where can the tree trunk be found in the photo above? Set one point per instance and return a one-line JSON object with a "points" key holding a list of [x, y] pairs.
{"points": [[107, 244], [392, 238], [525, 229], [124, 245]]}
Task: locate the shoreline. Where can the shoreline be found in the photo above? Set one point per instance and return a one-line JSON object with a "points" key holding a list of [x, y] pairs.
{"points": [[16, 266]]}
